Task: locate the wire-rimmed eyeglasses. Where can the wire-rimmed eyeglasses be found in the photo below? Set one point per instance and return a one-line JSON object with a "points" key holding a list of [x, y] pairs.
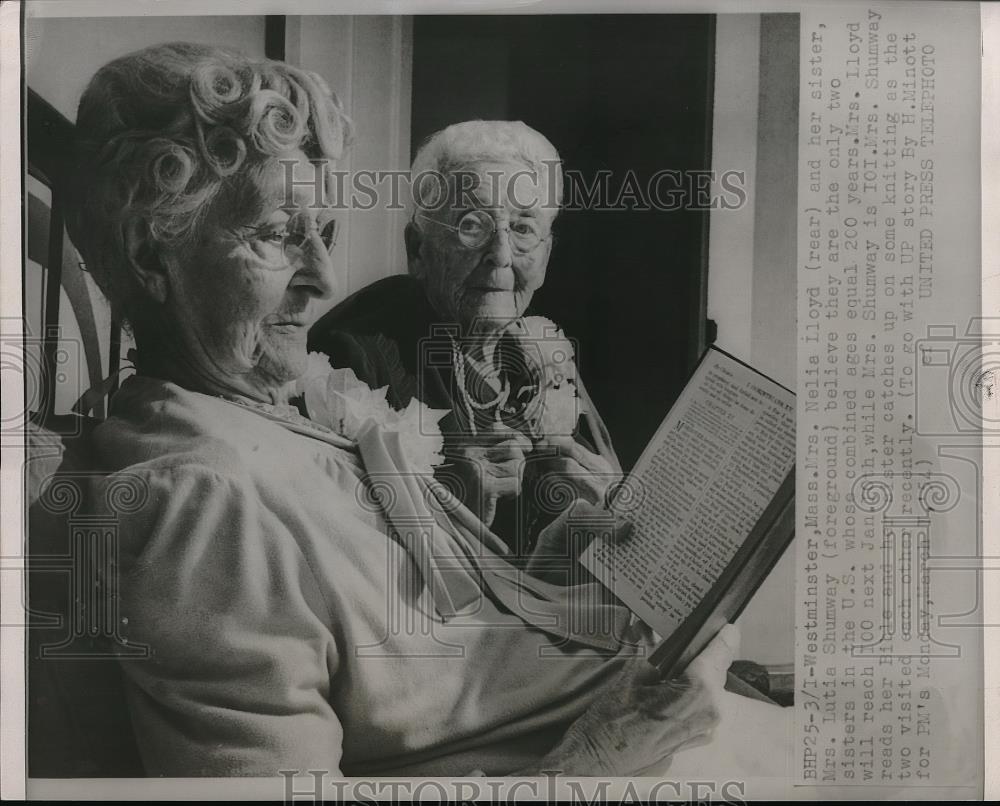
{"points": [[476, 228], [293, 234]]}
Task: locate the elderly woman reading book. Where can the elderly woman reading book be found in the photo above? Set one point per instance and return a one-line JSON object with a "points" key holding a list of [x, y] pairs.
{"points": [[311, 598]]}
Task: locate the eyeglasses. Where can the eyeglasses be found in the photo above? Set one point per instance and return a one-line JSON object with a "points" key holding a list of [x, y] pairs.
{"points": [[293, 234], [476, 228]]}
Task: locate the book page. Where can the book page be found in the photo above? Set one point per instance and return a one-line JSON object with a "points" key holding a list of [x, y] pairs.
{"points": [[698, 489]]}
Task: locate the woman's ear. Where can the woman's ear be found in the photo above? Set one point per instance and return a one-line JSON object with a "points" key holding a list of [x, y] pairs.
{"points": [[144, 262], [414, 240]]}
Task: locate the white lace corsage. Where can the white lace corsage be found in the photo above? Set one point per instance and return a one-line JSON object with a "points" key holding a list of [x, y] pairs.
{"points": [[557, 407], [337, 399]]}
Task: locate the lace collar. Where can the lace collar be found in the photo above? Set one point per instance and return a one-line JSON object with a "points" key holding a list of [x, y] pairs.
{"points": [[289, 416]]}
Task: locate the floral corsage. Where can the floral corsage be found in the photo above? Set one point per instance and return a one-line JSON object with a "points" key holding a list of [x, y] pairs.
{"points": [[337, 399], [556, 407]]}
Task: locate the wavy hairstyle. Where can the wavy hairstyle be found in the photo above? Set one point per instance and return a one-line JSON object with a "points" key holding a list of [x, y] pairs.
{"points": [[163, 132], [461, 146]]}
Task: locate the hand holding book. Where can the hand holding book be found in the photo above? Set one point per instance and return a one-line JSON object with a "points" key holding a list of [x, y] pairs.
{"points": [[638, 720], [557, 541]]}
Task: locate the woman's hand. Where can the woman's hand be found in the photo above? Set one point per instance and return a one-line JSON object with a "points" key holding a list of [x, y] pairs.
{"points": [[562, 541], [638, 722], [492, 467], [587, 474]]}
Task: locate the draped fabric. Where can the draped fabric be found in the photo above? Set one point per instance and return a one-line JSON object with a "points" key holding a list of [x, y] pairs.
{"points": [[287, 626], [418, 510]]}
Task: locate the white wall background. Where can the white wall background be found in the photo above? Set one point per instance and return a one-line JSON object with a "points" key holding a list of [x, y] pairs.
{"points": [[63, 53], [367, 61]]}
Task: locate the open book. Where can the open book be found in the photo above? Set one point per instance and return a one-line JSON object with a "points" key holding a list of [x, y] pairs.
{"points": [[712, 503]]}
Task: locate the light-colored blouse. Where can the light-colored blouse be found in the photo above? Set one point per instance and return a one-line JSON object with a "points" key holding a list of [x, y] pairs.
{"points": [[281, 634]]}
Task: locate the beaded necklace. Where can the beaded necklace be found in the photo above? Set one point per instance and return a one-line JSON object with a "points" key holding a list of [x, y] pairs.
{"points": [[470, 405]]}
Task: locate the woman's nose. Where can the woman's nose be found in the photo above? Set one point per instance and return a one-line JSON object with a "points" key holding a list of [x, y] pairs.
{"points": [[316, 268], [498, 250]]}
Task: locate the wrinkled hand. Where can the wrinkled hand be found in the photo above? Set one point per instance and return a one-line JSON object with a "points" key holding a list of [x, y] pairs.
{"points": [[492, 466], [586, 473], [639, 722]]}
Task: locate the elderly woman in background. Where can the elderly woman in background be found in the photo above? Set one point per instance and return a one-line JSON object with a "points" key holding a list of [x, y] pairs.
{"points": [[520, 430], [278, 569]]}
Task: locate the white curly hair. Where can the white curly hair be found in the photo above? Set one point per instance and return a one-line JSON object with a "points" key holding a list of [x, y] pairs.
{"points": [[461, 146], [163, 132]]}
